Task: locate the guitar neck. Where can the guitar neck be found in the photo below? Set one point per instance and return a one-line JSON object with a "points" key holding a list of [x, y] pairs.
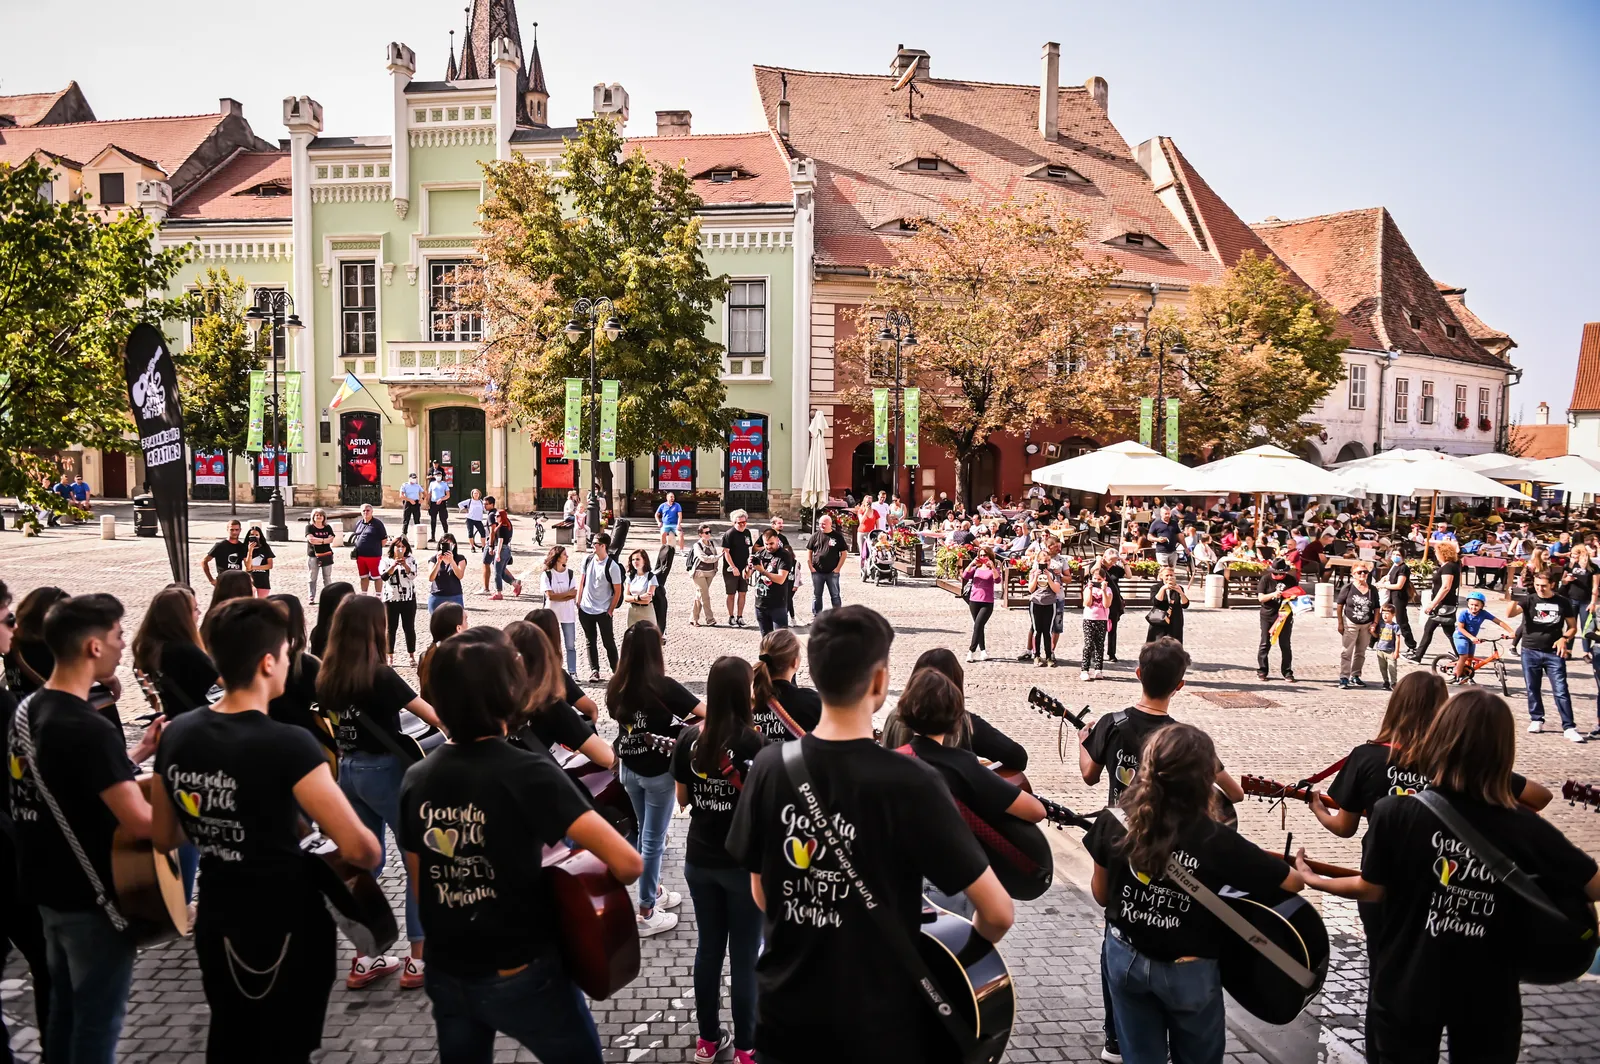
{"points": [[1060, 816], [1322, 868], [1258, 787]]}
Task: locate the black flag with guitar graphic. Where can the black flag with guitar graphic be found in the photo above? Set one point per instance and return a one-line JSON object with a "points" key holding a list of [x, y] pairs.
{"points": [[153, 393]]}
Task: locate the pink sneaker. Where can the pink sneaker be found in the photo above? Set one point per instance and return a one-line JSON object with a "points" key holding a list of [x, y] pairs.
{"points": [[743, 1056], [705, 1052]]}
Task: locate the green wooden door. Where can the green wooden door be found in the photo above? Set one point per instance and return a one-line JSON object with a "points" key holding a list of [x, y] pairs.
{"points": [[457, 440]]}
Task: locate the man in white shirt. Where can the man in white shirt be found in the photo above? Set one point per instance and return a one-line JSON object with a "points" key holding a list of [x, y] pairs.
{"points": [[881, 508]]}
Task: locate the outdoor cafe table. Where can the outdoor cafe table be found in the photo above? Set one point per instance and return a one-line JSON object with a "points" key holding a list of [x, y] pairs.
{"points": [[1485, 564]]}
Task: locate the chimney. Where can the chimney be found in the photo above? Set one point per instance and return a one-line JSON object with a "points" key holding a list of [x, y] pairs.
{"points": [[672, 123], [906, 58], [1543, 416], [1050, 92], [783, 119], [611, 101], [229, 106], [1100, 92]]}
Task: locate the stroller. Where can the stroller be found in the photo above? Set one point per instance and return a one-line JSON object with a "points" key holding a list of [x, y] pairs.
{"points": [[880, 565]]}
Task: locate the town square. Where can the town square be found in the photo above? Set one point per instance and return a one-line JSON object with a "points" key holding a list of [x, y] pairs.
{"points": [[880, 559]]}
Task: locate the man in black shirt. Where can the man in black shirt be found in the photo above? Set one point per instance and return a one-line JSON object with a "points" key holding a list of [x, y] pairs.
{"points": [[1277, 587], [59, 744], [736, 544], [826, 549], [772, 570], [227, 553], [825, 978], [1549, 626], [370, 539]]}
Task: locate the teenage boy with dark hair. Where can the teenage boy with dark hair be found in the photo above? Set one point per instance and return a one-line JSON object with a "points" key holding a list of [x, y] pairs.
{"points": [[1115, 742], [826, 980], [233, 781], [58, 740]]}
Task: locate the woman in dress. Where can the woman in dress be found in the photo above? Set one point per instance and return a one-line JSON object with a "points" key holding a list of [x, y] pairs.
{"points": [[1171, 600]]}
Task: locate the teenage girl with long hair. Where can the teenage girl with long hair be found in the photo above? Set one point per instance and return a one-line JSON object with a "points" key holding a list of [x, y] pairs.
{"points": [[709, 764], [549, 718], [167, 649], [327, 606], [775, 689], [298, 703], [443, 623], [550, 624]]}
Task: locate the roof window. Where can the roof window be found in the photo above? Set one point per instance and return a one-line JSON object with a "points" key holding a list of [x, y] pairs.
{"points": [[1451, 330], [1415, 320], [927, 164], [1142, 241]]}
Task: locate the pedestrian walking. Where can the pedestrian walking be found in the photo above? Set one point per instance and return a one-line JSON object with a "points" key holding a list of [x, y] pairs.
{"points": [[438, 505], [704, 559], [599, 594], [979, 582], [319, 553], [1549, 628], [370, 538], [399, 575], [825, 552], [669, 515], [444, 575], [1397, 591], [474, 509], [1440, 611], [411, 504], [560, 587], [771, 570], [1096, 617], [640, 589], [1356, 607], [499, 547], [1167, 605], [1277, 587]]}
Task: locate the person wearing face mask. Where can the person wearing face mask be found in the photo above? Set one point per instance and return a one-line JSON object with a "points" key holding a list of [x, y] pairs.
{"points": [[1396, 588]]}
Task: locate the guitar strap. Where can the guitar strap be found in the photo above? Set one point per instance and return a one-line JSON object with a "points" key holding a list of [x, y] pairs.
{"points": [[982, 829], [1499, 865], [783, 715], [1231, 919], [21, 728], [973, 1050], [387, 741]]}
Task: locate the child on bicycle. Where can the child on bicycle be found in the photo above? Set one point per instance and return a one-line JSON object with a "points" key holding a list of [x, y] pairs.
{"points": [[1468, 623]]}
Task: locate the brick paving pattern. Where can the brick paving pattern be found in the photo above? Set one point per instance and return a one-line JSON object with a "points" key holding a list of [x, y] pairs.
{"points": [[1053, 951]]}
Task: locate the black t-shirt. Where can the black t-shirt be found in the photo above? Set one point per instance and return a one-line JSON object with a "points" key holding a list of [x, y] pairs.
{"points": [[446, 582], [297, 704], [713, 796], [992, 744], [1544, 619], [1118, 744], [228, 555], [1445, 914], [80, 754], [653, 714], [737, 544], [1368, 775], [1448, 603], [977, 787], [1358, 605], [802, 704], [827, 551], [571, 692], [187, 676], [381, 706], [1157, 916], [1581, 587], [231, 779], [369, 537], [319, 544], [769, 593], [261, 578], [1272, 583], [478, 816], [1171, 601], [1399, 573], [896, 817], [560, 723]]}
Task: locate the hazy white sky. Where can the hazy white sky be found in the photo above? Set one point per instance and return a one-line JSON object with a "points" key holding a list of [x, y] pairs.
{"points": [[1474, 122]]}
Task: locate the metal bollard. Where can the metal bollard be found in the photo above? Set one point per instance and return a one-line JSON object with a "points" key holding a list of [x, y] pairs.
{"points": [[108, 526], [1324, 600], [1216, 583]]}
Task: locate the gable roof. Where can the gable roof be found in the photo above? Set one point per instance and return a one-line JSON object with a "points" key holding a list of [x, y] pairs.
{"points": [[233, 191], [131, 156], [1533, 442], [1586, 382], [167, 143], [1362, 264], [46, 108], [755, 154], [1495, 341], [855, 127]]}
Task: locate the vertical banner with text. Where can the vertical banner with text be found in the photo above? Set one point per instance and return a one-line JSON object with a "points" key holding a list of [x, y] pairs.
{"points": [[1172, 429], [913, 426], [880, 426], [153, 392], [258, 409], [296, 431], [608, 421], [572, 436], [1147, 417]]}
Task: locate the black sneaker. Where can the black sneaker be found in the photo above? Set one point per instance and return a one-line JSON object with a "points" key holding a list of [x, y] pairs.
{"points": [[1594, 736], [1387, 686], [1261, 674], [1356, 681], [1344, 684], [1025, 656], [1289, 676], [1111, 1053]]}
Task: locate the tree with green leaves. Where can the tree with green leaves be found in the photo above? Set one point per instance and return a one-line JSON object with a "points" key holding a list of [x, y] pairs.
{"points": [[214, 371], [72, 287], [600, 222]]}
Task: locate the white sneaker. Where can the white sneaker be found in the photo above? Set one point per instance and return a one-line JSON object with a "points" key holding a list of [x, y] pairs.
{"points": [[656, 922], [1099, 674], [972, 655], [668, 899], [1535, 727], [983, 655], [1573, 735], [1083, 674]]}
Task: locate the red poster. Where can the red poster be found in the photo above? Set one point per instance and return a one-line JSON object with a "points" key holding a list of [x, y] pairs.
{"points": [[555, 471], [675, 469], [211, 468], [747, 448], [264, 464], [360, 446]]}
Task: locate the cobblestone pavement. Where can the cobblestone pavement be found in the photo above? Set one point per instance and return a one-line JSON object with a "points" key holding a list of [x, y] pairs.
{"points": [[1054, 949]]}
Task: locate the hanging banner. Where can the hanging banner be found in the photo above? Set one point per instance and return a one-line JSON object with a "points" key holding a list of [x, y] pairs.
{"points": [[880, 426], [153, 391], [572, 438], [747, 454], [258, 409], [296, 430], [913, 425], [1172, 429], [675, 468], [608, 421], [1147, 417]]}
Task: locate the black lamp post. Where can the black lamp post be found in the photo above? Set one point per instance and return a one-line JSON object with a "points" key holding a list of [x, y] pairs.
{"points": [[586, 318], [275, 307], [897, 334], [1166, 340]]}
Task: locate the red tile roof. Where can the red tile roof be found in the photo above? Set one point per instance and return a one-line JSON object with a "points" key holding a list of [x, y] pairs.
{"points": [[168, 142], [1539, 441], [855, 127], [1586, 384], [31, 108], [1476, 327], [1361, 263], [755, 154], [239, 190]]}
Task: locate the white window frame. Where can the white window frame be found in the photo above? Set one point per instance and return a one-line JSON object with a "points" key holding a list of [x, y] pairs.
{"points": [[1483, 404], [1402, 400], [377, 318], [1461, 403], [1427, 405], [728, 355], [1356, 390], [428, 263]]}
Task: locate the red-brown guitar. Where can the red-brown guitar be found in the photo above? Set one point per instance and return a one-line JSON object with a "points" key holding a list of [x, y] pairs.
{"points": [[1262, 787], [595, 918]]}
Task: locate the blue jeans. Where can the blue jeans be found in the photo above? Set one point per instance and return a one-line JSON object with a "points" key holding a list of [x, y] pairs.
{"points": [[773, 616], [569, 636], [502, 569], [652, 798], [1154, 1001], [435, 600], [820, 581], [91, 971], [189, 865], [728, 920], [539, 1007], [1536, 665], [372, 783]]}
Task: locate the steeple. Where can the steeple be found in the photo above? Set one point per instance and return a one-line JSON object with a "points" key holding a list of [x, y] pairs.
{"points": [[536, 100], [487, 22], [450, 73]]}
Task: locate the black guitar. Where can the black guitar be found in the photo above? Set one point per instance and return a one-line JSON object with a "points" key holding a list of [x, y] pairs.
{"points": [[1288, 921], [971, 975]]}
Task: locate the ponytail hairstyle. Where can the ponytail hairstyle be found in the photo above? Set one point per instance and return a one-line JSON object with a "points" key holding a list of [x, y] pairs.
{"points": [[780, 652], [1171, 793], [728, 712]]}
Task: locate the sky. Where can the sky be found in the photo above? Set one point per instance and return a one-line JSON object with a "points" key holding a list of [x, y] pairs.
{"points": [[1476, 123]]}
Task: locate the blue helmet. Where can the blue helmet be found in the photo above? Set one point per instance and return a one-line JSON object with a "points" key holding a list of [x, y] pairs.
{"points": [[1477, 596]]}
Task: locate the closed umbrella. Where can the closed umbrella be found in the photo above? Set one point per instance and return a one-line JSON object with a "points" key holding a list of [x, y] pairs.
{"points": [[1264, 470], [814, 485]]}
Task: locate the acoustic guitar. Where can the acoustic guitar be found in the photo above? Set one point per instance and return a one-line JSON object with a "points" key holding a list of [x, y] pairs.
{"points": [[1294, 926], [1581, 794], [971, 975], [353, 896], [1262, 787], [605, 791], [599, 937], [148, 885]]}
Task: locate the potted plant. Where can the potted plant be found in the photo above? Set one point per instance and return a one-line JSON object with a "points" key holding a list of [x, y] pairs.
{"points": [[1461, 421], [1484, 424]]}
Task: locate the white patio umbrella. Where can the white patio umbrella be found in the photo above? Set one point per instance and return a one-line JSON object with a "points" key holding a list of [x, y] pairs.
{"points": [[1419, 473], [1125, 468], [1570, 473], [814, 485], [1264, 470]]}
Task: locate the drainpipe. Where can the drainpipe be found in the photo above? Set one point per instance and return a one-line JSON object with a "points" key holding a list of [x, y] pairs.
{"points": [[1387, 359]]}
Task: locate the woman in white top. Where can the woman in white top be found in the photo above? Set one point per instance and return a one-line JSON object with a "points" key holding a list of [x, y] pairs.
{"points": [[398, 574], [640, 589], [560, 587], [476, 529]]}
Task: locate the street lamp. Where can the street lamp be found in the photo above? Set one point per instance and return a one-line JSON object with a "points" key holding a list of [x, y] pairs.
{"points": [[275, 306], [896, 335], [586, 319], [1167, 340]]}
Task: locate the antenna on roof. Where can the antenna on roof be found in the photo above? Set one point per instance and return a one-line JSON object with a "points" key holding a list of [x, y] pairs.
{"points": [[907, 81]]}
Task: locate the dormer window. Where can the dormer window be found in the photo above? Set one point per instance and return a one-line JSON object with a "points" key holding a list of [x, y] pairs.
{"points": [[725, 174], [928, 164], [907, 225], [722, 177], [1415, 320], [1058, 172], [1142, 241], [1451, 331]]}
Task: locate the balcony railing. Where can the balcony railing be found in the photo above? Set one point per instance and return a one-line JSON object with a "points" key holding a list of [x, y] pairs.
{"points": [[428, 360]]}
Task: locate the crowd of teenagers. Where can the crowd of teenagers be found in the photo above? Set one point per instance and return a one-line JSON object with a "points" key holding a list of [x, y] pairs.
{"points": [[264, 728]]}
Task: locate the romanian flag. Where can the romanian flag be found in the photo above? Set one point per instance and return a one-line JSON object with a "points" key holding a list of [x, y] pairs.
{"points": [[347, 388]]}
